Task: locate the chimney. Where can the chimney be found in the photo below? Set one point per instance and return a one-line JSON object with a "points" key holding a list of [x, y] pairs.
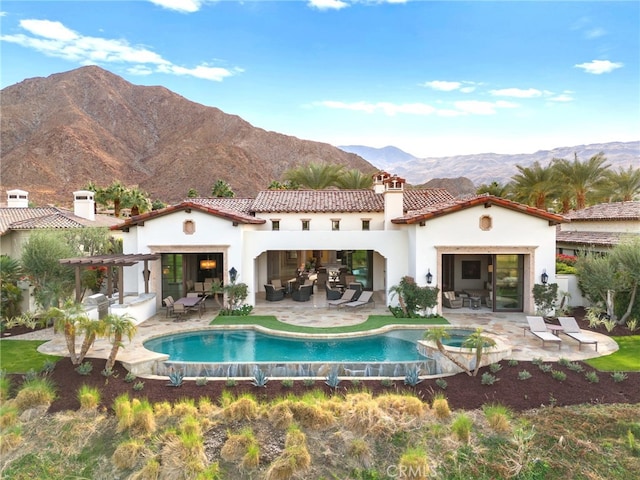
{"points": [[17, 199], [84, 204], [393, 200], [378, 181]]}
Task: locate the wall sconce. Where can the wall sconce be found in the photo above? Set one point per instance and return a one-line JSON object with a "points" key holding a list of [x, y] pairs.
{"points": [[544, 278], [233, 273], [207, 264], [429, 276], [490, 268]]}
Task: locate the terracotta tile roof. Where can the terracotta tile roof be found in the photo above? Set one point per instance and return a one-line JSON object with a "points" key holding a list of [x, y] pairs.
{"points": [[607, 239], [230, 204], [48, 217], [233, 215], [454, 205], [340, 201], [607, 212]]}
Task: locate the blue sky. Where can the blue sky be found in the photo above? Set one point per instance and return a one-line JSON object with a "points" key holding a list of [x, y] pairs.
{"points": [[431, 78]]}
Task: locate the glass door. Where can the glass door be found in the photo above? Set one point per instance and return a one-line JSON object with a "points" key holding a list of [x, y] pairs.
{"points": [[508, 277], [172, 275]]}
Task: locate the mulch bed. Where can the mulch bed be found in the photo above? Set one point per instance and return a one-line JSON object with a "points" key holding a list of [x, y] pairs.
{"points": [[462, 391]]}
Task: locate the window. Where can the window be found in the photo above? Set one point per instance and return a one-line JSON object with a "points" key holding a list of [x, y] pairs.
{"points": [[366, 223], [275, 225], [305, 224], [335, 225]]}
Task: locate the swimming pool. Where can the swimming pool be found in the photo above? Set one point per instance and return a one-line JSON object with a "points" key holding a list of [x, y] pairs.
{"points": [[226, 353]]}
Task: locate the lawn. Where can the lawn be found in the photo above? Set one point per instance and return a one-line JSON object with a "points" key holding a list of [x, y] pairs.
{"points": [[372, 323], [20, 356], [626, 359]]}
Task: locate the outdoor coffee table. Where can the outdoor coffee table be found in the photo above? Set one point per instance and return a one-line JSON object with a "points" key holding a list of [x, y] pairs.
{"points": [[475, 302], [555, 329]]}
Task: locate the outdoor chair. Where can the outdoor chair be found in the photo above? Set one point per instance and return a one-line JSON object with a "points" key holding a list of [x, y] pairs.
{"points": [[198, 287], [168, 302], [180, 311], [540, 330], [332, 293], [365, 298], [571, 328], [277, 284], [449, 300], [303, 294], [357, 286], [272, 294], [346, 297]]}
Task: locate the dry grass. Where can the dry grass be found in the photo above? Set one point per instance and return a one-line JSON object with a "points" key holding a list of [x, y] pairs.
{"points": [[364, 416], [361, 452], [185, 407], [10, 440], [35, 392], [401, 405], [89, 397], [162, 410], [182, 457], [309, 415], [128, 454], [143, 421], [237, 444], [280, 415], [413, 465], [243, 408], [440, 406], [124, 412], [8, 416], [150, 471], [294, 460]]}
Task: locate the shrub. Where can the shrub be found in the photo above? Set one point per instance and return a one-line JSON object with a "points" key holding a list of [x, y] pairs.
{"points": [[524, 375], [332, 379], [559, 375], [488, 379], [129, 377], [545, 367], [36, 392], [244, 408], [412, 378], [440, 406], [308, 382], [260, 379], [127, 454], [575, 367], [592, 376], [512, 362], [461, 427], [442, 383], [386, 382], [564, 362], [495, 367], [537, 361], [138, 386], [414, 462], [89, 397], [143, 418], [287, 382], [201, 381], [175, 378], [231, 382], [84, 368], [236, 445], [619, 377], [498, 417], [108, 372]]}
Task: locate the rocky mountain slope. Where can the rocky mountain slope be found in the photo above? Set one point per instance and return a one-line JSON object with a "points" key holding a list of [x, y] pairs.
{"points": [[488, 167], [60, 132]]}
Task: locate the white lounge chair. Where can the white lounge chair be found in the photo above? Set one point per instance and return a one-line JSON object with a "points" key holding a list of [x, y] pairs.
{"points": [[571, 328], [539, 329], [364, 298], [346, 297]]}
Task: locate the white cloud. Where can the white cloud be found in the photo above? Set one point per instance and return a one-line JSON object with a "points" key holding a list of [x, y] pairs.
{"points": [[565, 96], [596, 32], [187, 6], [516, 92], [597, 67], [387, 108], [443, 85], [477, 107], [328, 4], [55, 40]]}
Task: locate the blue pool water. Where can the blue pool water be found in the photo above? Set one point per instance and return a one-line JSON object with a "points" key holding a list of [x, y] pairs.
{"points": [[249, 346]]}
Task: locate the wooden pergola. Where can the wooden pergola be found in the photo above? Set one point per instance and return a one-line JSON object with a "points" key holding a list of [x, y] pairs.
{"points": [[118, 260]]}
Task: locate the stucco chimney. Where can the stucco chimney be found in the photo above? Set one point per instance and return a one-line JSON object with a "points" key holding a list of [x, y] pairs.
{"points": [[378, 181], [84, 204], [393, 200], [17, 199]]}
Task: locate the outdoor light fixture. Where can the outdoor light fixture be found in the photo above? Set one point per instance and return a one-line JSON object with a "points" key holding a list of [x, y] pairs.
{"points": [[544, 278], [232, 275], [207, 264], [429, 276]]}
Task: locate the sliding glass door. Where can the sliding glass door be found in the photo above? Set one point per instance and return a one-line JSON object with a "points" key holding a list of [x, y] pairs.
{"points": [[508, 273]]}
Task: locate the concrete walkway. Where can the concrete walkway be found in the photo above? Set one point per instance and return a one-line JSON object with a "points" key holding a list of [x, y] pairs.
{"points": [[509, 326]]}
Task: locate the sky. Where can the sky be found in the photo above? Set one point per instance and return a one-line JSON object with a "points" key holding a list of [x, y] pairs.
{"points": [[431, 78]]}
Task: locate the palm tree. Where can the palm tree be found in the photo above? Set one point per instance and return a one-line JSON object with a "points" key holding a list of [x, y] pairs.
{"points": [[222, 189], [436, 335], [137, 200], [533, 185], [582, 177], [315, 176], [479, 342], [117, 327], [67, 320], [91, 329], [354, 180], [10, 294], [494, 188], [115, 193], [623, 185]]}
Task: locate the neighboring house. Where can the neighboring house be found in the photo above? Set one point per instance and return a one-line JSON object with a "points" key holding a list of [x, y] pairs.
{"points": [[485, 243], [598, 228], [18, 220]]}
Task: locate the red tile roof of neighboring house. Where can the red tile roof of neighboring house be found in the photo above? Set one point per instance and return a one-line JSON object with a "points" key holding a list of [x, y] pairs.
{"points": [[607, 239], [29, 218], [607, 212], [233, 215], [446, 208]]}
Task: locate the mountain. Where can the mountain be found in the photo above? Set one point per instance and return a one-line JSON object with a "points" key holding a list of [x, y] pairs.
{"points": [[488, 167], [60, 132]]}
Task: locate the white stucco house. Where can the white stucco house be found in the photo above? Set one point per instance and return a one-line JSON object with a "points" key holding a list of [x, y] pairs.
{"points": [[487, 245]]}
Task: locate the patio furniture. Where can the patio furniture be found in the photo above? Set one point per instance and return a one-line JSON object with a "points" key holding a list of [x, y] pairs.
{"points": [[539, 329], [475, 302], [273, 294], [332, 293], [357, 286], [346, 297], [188, 304], [449, 300], [303, 294], [366, 297], [198, 287], [180, 311], [168, 302], [571, 328], [277, 284]]}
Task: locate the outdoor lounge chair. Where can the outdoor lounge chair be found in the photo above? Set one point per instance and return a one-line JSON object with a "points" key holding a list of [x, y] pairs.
{"points": [[273, 294], [365, 298], [539, 329], [332, 293], [571, 328], [303, 294], [346, 297], [449, 300]]}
